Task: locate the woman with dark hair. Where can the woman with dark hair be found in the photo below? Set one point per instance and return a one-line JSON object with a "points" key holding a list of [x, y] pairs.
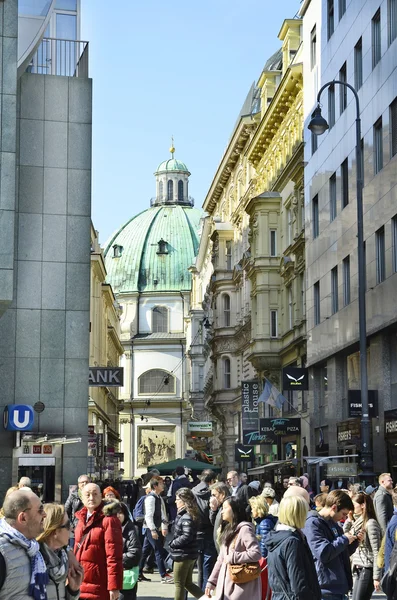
{"points": [[132, 548], [238, 546], [184, 544], [366, 573]]}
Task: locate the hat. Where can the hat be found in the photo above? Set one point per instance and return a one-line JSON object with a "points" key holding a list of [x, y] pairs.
{"points": [[370, 489], [268, 492], [254, 484]]}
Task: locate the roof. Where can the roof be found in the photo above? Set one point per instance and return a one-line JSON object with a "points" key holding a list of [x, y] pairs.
{"points": [[172, 164], [140, 263]]}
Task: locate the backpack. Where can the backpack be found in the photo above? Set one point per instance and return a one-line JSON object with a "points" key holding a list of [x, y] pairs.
{"points": [[139, 511], [388, 583]]}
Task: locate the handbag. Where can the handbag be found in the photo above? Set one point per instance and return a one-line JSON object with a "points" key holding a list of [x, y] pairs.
{"points": [[130, 577], [244, 572]]}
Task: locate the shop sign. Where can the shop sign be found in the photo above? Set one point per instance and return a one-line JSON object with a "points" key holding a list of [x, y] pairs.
{"points": [[201, 428], [275, 428], [106, 376], [341, 469], [349, 432], [356, 407], [243, 453], [119, 456], [390, 422], [257, 437], [295, 379], [99, 445], [249, 406], [36, 449], [91, 429], [47, 448], [18, 417]]}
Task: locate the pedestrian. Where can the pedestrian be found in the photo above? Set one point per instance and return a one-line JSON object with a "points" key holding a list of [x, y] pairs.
{"points": [[319, 501], [184, 545], [331, 548], [53, 541], [383, 501], [205, 532], [269, 495], [238, 546], [74, 503], [391, 533], [264, 521], [99, 546], [155, 528], [219, 493], [25, 482], [23, 572], [366, 573], [294, 481], [254, 488], [239, 490], [180, 481], [325, 486], [292, 573], [111, 494], [132, 549]]}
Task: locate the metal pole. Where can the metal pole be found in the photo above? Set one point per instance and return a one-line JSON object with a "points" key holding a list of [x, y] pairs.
{"points": [[366, 460]]}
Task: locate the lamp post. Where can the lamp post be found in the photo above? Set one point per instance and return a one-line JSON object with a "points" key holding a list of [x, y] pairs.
{"points": [[318, 125]]}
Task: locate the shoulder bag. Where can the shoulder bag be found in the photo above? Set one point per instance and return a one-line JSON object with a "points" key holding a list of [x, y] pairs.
{"points": [[244, 572]]}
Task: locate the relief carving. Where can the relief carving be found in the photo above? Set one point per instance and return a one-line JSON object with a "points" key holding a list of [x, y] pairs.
{"points": [[155, 446]]}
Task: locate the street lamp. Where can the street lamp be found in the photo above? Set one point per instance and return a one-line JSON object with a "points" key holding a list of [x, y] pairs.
{"points": [[318, 125]]}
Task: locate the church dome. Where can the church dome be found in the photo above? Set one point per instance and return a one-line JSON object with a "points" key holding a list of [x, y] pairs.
{"points": [[153, 251], [172, 164]]}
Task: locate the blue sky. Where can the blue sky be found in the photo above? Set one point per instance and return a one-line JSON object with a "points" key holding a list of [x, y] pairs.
{"points": [[162, 69]]}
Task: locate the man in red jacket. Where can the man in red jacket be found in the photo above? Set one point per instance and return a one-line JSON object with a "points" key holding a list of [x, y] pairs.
{"points": [[99, 546]]}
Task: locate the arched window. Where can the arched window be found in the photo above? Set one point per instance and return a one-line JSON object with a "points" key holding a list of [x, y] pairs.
{"points": [[156, 381], [117, 251], [160, 319], [226, 310], [180, 190], [226, 374], [170, 190], [161, 190]]}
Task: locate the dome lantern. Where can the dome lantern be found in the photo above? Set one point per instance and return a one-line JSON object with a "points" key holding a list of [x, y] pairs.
{"points": [[172, 182]]}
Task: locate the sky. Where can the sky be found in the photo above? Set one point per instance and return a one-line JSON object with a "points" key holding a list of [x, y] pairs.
{"points": [[162, 69]]}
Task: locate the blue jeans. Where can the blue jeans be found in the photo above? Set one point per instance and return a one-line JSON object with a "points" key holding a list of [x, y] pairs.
{"points": [[206, 561], [157, 546]]}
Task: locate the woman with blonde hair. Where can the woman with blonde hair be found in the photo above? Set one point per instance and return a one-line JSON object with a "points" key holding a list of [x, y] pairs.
{"points": [[264, 522], [53, 540], [292, 573]]}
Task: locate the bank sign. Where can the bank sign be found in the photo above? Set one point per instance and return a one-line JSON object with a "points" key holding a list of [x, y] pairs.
{"points": [[106, 376], [18, 417]]}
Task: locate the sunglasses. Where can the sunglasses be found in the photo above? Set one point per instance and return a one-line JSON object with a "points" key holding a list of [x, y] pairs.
{"points": [[65, 525]]}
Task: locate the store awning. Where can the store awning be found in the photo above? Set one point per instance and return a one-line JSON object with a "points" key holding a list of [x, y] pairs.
{"points": [[51, 438], [272, 465]]}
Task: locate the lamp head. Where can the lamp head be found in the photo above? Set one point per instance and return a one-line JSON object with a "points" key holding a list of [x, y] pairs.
{"points": [[318, 125]]}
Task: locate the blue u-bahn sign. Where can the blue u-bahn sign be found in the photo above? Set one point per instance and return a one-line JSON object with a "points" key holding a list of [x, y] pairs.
{"points": [[18, 417]]}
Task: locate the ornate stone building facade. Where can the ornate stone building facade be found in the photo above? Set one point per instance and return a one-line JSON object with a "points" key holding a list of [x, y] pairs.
{"points": [[248, 281]]}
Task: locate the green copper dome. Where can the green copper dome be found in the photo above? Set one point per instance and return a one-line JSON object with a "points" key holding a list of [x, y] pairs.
{"points": [[172, 164], [152, 251]]}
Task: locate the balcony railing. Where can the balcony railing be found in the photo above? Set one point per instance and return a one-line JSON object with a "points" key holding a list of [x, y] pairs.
{"points": [[67, 58], [185, 201]]}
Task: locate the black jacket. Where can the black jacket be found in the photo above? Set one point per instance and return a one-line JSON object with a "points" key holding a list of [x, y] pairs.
{"points": [[132, 549], [203, 495], [184, 544], [72, 505], [292, 574], [243, 496], [177, 484]]}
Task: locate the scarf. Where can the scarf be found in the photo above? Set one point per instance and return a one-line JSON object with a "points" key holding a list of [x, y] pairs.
{"points": [[56, 561], [39, 576]]}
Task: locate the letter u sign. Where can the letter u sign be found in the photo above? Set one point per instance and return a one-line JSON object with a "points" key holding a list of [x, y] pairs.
{"points": [[18, 417]]}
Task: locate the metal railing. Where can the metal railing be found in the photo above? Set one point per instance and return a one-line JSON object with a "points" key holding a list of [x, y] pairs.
{"points": [[67, 58], [186, 201]]}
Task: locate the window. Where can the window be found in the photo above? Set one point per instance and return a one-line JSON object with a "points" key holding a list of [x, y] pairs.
{"points": [[66, 4], [330, 18], [392, 20], [316, 302], [332, 197], [344, 175], [314, 142], [376, 39], [290, 309], [313, 47], [331, 106], [346, 280], [180, 190], [229, 255], [393, 128], [161, 190], [358, 64], [226, 374], [273, 242], [380, 255], [160, 319], [117, 251], [226, 310], [394, 242], [162, 247], [342, 88], [334, 290], [156, 382], [303, 295], [378, 146], [315, 220], [289, 226], [342, 8], [170, 190], [273, 324]]}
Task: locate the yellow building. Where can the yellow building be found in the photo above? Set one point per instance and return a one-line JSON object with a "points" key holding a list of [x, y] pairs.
{"points": [[105, 351]]}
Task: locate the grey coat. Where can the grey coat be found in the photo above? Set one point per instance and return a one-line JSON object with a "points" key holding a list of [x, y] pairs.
{"points": [[383, 504], [367, 552], [57, 563]]}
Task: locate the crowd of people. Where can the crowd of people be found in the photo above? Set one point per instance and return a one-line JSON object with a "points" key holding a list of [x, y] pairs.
{"points": [[248, 539]]}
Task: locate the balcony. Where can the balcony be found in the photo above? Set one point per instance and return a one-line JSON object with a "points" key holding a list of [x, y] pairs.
{"points": [[163, 200], [65, 58]]}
